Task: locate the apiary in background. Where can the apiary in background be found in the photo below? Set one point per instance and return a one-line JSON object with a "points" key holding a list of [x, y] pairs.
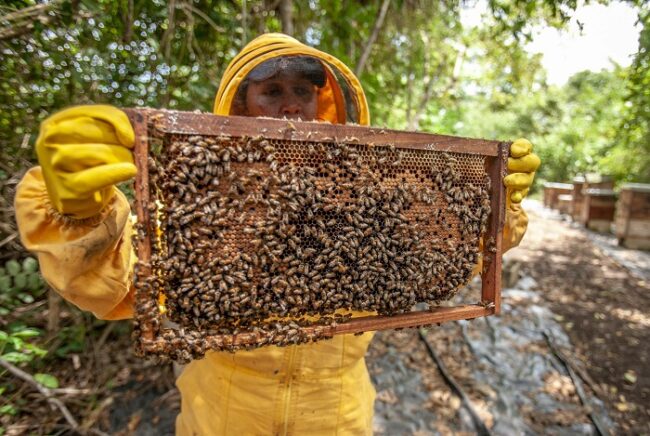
{"points": [[258, 231]]}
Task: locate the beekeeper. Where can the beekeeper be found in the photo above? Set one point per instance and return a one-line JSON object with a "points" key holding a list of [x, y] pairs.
{"points": [[73, 217]]}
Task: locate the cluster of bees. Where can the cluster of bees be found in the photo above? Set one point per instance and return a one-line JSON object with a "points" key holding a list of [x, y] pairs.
{"points": [[271, 237]]}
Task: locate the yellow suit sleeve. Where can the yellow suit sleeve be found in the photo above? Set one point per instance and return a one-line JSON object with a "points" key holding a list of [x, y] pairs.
{"points": [[89, 262]]}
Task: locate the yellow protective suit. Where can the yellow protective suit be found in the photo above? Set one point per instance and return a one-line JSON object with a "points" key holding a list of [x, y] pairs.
{"points": [[314, 389]]}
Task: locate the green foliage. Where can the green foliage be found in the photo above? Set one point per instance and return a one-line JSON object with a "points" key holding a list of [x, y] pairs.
{"points": [[30, 265], [105, 52], [8, 409], [12, 267], [425, 71], [73, 340], [516, 17], [47, 380], [172, 55], [573, 127], [631, 157], [597, 122], [20, 283], [15, 346]]}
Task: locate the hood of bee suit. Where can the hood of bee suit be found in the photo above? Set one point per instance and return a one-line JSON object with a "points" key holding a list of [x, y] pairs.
{"points": [[341, 100]]}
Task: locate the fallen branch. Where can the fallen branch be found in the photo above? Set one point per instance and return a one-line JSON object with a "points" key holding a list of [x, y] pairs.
{"points": [[581, 373], [481, 428], [71, 391], [8, 239], [18, 311], [28, 12], [94, 416], [193, 10], [47, 393], [598, 423], [170, 394], [107, 331]]}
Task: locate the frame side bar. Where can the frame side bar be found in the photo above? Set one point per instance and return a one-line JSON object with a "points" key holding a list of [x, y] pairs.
{"points": [[139, 121], [493, 240]]}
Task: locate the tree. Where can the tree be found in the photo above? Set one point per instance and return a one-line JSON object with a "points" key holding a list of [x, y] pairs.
{"points": [[631, 156], [420, 67]]}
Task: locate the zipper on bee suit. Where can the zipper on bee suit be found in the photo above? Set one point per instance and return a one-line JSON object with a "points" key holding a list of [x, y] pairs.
{"points": [[287, 387]]}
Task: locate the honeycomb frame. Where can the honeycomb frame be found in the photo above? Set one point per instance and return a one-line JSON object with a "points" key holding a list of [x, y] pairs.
{"points": [[153, 338]]}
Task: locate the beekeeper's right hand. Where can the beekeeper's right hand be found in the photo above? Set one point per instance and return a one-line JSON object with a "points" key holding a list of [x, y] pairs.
{"points": [[84, 151]]}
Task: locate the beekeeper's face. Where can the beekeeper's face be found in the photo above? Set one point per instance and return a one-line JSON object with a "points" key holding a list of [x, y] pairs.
{"points": [[288, 94]]}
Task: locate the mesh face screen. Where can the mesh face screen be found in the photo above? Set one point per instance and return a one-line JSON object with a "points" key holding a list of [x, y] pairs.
{"points": [[303, 80], [257, 233]]}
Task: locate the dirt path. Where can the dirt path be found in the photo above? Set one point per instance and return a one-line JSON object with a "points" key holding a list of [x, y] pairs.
{"points": [[604, 307], [564, 282]]}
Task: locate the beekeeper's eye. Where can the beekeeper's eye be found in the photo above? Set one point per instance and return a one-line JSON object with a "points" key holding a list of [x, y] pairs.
{"points": [[302, 91], [273, 90]]}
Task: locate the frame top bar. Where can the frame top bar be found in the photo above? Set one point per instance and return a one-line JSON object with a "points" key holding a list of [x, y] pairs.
{"points": [[173, 122]]}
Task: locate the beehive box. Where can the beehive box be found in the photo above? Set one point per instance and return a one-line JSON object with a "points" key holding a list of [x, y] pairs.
{"points": [[254, 232], [553, 190], [577, 198], [632, 219], [565, 203], [598, 209], [580, 185]]}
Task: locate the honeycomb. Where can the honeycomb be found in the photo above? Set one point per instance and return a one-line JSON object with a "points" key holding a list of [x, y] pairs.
{"points": [[260, 234]]}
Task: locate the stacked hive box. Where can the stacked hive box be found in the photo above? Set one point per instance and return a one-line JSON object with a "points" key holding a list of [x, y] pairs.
{"points": [[598, 209], [580, 185], [553, 190], [577, 197], [565, 203], [632, 218]]}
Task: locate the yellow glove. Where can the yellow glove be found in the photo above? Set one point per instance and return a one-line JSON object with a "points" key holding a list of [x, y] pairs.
{"points": [[84, 151], [522, 165]]}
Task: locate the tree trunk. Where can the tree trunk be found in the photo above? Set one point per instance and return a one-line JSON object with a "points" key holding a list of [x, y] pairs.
{"points": [[409, 98], [166, 44], [244, 22], [381, 15], [128, 22], [286, 16]]}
